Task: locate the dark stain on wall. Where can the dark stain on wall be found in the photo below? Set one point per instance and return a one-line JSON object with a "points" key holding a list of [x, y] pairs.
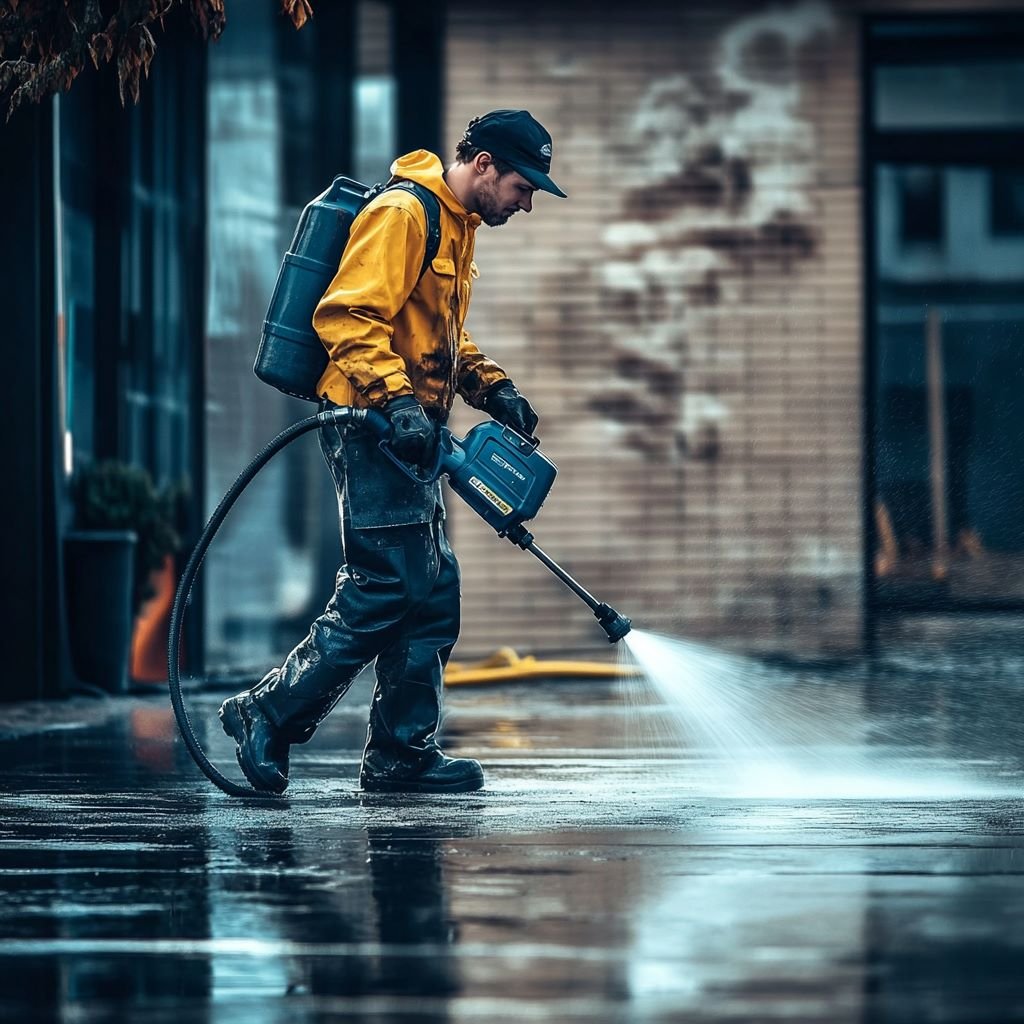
{"points": [[722, 164]]}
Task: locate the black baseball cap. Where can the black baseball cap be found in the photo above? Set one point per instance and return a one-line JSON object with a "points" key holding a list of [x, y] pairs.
{"points": [[519, 139]]}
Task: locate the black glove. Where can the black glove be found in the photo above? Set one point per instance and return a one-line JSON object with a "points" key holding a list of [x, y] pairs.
{"points": [[413, 437], [504, 404]]}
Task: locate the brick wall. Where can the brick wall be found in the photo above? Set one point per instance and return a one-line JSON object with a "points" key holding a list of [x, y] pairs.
{"points": [[687, 323]]}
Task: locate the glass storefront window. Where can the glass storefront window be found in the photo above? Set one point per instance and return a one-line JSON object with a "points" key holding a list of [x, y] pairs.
{"points": [[274, 100]]}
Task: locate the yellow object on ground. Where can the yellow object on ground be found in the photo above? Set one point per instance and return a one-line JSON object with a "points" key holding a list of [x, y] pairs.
{"points": [[504, 665]]}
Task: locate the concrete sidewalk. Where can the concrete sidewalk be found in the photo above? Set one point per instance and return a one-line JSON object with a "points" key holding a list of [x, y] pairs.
{"points": [[602, 875]]}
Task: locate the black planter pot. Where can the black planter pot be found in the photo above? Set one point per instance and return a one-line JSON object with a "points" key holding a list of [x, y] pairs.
{"points": [[98, 575]]}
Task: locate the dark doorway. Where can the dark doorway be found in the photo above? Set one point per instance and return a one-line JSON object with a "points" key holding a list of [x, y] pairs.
{"points": [[944, 182]]}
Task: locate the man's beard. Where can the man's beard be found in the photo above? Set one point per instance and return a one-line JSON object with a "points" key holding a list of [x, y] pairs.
{"points": [[490, 212], [493, 220]]}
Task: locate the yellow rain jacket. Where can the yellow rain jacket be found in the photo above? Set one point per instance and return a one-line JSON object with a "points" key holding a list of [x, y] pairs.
{"points": [[388, 335]]}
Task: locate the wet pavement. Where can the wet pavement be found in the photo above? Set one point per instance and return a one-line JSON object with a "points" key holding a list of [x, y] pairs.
{"points": [[602, 875]]}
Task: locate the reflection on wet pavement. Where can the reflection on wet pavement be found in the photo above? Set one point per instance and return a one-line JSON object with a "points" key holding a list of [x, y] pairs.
{"points": [[602, 875]]}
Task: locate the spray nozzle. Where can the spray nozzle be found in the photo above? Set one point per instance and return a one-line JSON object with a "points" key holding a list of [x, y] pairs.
{"points": [[614, 624]]}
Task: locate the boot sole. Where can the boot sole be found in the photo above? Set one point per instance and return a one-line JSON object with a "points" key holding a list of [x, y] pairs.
{"points": [[231, 722], [409, 786]]}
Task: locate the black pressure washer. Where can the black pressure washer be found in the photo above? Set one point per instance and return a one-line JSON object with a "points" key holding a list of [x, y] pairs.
{"points": [[501, 475]]}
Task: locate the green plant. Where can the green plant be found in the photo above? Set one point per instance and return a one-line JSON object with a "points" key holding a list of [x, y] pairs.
{"points": [[112, 495]]}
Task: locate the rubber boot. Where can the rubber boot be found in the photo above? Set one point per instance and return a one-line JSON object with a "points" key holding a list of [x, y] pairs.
{"points": [[262, 752], [401, 754]]}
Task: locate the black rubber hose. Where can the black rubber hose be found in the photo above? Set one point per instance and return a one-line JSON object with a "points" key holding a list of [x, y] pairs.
{"points": [[335, 415]]}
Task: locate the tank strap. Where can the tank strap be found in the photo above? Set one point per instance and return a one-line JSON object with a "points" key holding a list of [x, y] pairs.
{"points": [[432, 209]]}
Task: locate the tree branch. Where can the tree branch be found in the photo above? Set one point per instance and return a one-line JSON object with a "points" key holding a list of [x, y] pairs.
{"points": [[45, 44]]}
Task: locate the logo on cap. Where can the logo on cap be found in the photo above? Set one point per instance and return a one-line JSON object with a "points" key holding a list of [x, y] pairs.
{"points": [[545, 150]]}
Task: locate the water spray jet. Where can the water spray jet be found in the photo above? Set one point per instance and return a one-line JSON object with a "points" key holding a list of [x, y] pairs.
{"points": [[758, 733]]}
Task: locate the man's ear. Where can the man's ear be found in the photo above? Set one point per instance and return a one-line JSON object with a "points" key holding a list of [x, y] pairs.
{"points": [[482, 162]]}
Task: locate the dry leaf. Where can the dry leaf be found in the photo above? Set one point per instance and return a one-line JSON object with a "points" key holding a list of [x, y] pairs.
{"points": [[298, 10], [208, 17]]}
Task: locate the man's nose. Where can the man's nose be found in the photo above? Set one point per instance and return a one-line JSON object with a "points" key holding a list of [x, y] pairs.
{"points": [[526, 203]]}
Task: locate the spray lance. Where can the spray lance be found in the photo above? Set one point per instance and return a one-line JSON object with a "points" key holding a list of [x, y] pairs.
{"points": [[501, 475]]}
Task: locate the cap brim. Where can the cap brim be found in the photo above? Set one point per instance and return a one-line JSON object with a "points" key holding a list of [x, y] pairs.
{"points": [[540, 180]]}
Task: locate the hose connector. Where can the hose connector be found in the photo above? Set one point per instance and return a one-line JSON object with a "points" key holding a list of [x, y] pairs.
{"points": [[614, 624], [376, 421], [338, 414]]}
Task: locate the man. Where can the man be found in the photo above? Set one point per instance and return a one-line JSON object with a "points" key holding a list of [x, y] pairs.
{"points": [[395, 334]]}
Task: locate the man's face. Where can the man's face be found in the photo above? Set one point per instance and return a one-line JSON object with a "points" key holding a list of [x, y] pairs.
{"points": [[499, 196]]}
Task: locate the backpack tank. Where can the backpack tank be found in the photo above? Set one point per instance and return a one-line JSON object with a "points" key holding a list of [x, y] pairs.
{"points": [[291, 357]]}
